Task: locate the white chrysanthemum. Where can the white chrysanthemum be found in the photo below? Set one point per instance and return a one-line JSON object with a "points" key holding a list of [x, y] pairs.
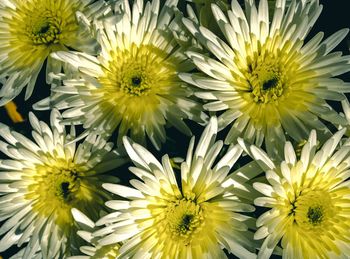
{"points": [[133, 84], [309, 200], [30, 31], [194, 213], [42, 180], [264, 78], [94, 250]]}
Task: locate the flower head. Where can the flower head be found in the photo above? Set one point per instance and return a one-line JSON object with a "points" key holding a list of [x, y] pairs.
{"points": [[309, 200], [42, 180], [31, 30], [133, 83], [193, 213], [268, 81]]}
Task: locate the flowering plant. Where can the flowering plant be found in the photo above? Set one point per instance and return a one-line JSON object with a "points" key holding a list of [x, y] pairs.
{"points": [[173, 129]]}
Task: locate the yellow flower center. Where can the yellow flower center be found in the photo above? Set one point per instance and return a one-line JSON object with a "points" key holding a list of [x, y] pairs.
{"points": [[135, 80], [266, 78], [43, 22], [184, 219], [56, 188], [46, 22], [138, 71], [38, 27], [313, 209], [44, 29], [271, 80], [65, 185]]}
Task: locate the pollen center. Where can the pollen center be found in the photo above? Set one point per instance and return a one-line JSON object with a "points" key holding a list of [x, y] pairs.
{"points": [[184, 219], [44, 29], [313, 209], [55, 189], [136, 81], [137, 71], [266, 78], [35, 28]]}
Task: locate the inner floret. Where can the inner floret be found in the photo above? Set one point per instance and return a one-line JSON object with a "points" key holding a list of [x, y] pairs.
{"points": [[184, 218], [44, 29], [266, 78]]}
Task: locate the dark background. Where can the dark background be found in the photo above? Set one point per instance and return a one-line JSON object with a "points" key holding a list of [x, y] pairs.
{"points": [[335, 16]]}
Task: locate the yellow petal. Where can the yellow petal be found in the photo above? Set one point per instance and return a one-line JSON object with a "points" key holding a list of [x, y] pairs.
{"points": [[12, 112]]}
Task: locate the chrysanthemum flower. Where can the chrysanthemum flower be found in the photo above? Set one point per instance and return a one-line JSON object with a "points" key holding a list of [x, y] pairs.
{"points": [[134, 82], [94, 250], [30, 31], [194, 213], [265, 80], [309, 200], [43, 180]]}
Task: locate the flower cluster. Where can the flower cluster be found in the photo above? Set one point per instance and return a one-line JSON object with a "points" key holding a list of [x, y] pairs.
{"points": [[112, 168]]}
